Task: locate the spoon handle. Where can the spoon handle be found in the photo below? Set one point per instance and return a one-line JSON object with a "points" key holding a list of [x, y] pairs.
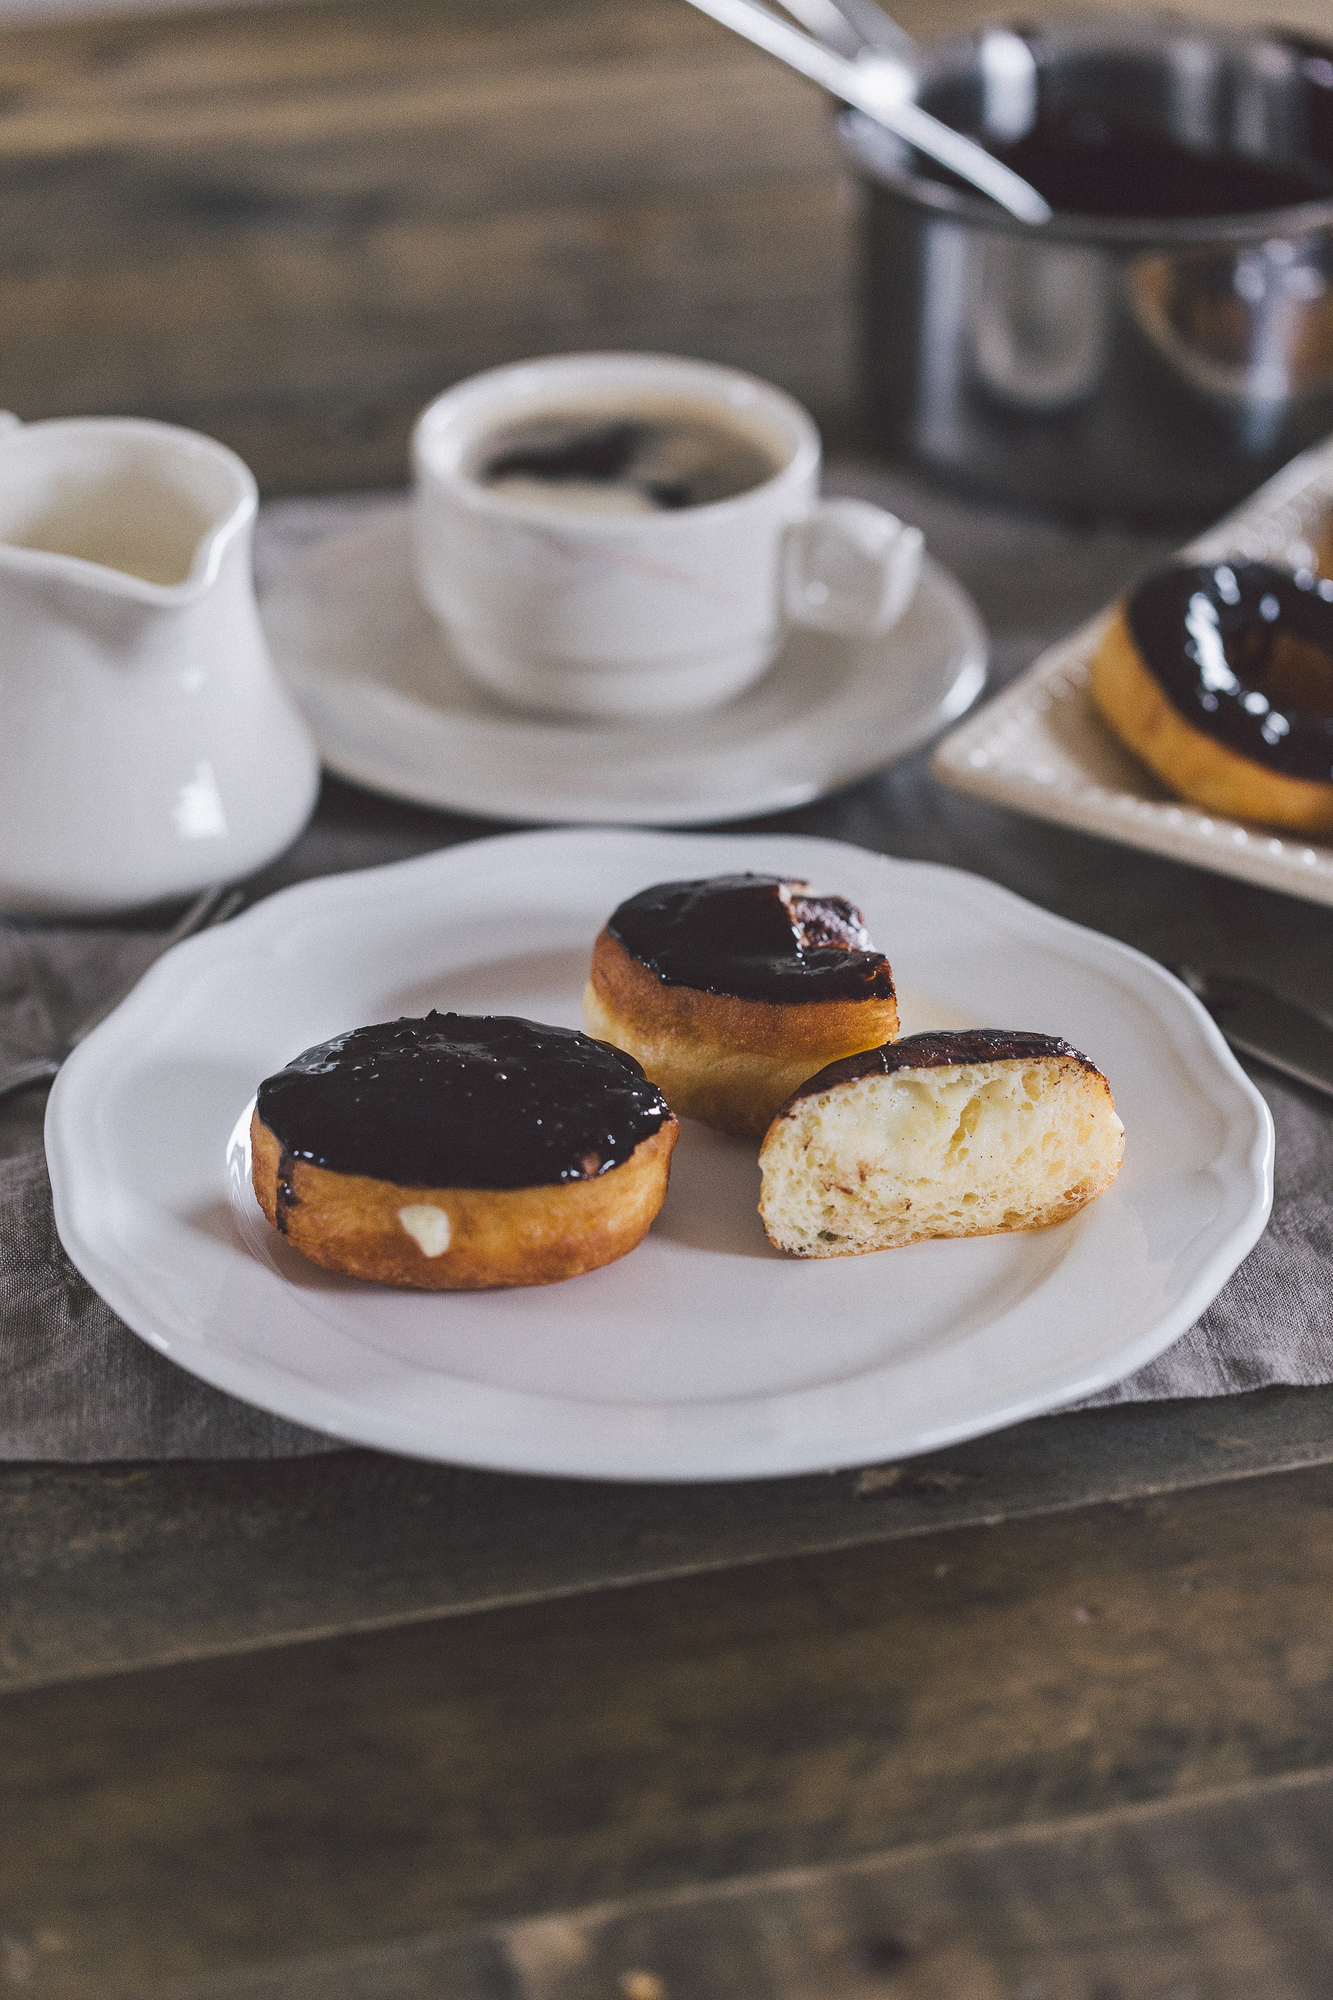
{"points": [[850, 26], [856, 84], [876, 29]]}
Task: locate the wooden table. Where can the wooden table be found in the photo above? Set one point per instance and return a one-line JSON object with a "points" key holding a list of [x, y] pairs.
{"points": [[1048, 1716]]}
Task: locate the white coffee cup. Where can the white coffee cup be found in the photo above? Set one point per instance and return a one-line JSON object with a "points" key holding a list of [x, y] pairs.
{"points": [[652, 613]]}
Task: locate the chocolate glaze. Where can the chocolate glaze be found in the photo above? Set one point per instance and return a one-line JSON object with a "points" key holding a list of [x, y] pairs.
{"points": [[1208, 632], [941, 1048], [460, 1100], [753, 937], [1091, 161]]}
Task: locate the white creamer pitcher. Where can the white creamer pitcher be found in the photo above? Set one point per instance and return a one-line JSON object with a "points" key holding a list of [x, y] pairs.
{"points": [[146, 744]]}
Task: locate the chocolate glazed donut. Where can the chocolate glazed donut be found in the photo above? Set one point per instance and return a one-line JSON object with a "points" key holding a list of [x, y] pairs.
{"points": [[1220, 677], [733, 989], [457, 1152]]}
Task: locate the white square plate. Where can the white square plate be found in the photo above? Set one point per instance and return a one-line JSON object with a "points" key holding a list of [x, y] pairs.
{"points": [[704, 1354], [1042, 748]]}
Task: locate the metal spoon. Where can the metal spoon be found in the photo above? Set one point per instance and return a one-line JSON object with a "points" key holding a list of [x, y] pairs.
{"points": [[1261, 1023], [877, 88], [862, 30], [851, 26]]}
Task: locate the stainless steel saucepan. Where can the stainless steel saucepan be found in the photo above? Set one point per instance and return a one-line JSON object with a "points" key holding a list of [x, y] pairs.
{"points": [[1104, 365]]}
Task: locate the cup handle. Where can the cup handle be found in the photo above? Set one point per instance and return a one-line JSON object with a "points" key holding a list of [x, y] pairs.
{"points": [[850, 567]]}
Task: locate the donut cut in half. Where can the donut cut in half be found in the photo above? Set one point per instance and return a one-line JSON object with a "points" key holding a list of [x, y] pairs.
{"points": [[944, 1134], [731, 990], [459, 1153]]}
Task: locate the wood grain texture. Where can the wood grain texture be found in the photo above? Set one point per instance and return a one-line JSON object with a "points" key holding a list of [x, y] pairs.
{"points": [[110, 1568], [1221, 1898], [210, 1819], [290, 226]]}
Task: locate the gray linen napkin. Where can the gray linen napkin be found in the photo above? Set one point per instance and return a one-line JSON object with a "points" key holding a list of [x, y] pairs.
{"points": [[75, 1384], [1274, 1321]]}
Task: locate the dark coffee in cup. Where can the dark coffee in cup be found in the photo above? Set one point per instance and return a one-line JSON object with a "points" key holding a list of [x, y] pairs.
{"points": [[623, 461]]}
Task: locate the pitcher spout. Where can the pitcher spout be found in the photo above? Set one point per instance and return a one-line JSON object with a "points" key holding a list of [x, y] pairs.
{"points": [[149, 746], [126, 507]]}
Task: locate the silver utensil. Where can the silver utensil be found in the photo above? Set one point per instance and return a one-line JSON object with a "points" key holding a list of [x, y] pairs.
{"points": [[213, 906], [1260, 1023], [862, 30], [879, 89], [849, 26]]}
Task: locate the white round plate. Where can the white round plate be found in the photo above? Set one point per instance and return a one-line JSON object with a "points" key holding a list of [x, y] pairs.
{"points": [[391, 708], [704, 1354]]}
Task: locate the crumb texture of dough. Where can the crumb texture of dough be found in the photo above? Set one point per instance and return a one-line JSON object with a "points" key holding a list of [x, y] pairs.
{"points": [[963, 1149]]}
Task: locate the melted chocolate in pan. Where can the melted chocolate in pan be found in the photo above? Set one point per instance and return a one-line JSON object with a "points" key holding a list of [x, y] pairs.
{"points": [[1089, 161]]}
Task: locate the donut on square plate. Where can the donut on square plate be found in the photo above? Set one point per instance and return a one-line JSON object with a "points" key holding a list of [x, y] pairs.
{"points": [[1219, 676]]}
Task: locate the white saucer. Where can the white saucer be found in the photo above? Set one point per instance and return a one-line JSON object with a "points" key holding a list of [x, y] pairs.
{"points": [[391, 708], [704, 1354]]}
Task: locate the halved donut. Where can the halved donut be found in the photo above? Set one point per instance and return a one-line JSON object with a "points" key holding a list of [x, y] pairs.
{"points": [[943, 1134]]}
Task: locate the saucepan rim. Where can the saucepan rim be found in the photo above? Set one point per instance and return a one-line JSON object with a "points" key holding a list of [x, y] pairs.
{"points": [[872, 149]]}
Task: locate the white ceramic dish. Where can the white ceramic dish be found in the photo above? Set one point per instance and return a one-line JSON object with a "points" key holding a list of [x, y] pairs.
{"points": [[391, 708], [148, 747], [1042, 748], [704, 1354]]}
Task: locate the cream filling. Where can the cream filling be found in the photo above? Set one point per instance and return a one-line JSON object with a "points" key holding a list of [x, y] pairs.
{"points": [[428, 1227], [947, 1151]]}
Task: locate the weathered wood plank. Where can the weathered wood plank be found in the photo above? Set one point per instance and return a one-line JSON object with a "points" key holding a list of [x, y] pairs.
{"points": [[155, 57], [116, 1567], [212, 1817], [291, 227], [1224, 1898], [333, 317]]}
